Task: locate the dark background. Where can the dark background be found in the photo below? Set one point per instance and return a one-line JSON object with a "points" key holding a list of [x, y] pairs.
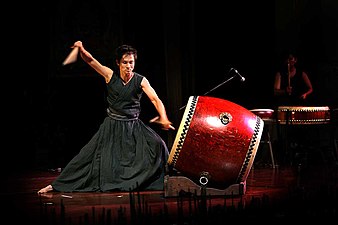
{"points": [[185, 48]]}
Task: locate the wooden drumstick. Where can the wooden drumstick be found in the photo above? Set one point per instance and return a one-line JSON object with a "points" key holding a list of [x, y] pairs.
{"points": [[72, 57], [289, 81]]}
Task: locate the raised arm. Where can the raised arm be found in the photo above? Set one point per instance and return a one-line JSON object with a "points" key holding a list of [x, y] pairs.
{"points": [[104, 71]]}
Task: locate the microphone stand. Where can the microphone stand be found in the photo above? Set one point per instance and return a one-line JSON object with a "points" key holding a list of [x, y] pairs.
{"points": [[212, 89]]}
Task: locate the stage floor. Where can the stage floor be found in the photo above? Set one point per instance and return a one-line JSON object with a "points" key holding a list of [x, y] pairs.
{"points": [[281, 194]]}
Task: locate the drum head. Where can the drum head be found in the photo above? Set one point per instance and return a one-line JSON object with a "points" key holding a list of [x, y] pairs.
{"points": [[265, 114]]}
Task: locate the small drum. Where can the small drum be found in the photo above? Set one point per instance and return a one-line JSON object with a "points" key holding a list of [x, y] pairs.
{"points": [[265, 114], [303, 115], [216, 138]]}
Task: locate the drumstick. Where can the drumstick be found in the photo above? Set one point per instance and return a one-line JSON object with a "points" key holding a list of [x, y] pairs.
{"points": [[156, 120], [72, 57], [289, 82]]}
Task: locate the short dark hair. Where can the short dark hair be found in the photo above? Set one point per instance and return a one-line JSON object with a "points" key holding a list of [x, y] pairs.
{"points": [[125, 49]]}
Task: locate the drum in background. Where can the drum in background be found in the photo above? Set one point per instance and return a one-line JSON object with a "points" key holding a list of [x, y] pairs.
{"points": [[217, 138], [303, 115], [264, 114], [270, 124]]}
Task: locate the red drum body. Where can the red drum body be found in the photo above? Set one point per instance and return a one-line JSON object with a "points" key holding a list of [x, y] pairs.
{"points": [[303, 115], [217, 139]]}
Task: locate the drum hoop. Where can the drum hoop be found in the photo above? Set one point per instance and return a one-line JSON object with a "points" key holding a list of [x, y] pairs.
{"points": [[183, 130], [262, 110], [251, 153], [303, 108]]}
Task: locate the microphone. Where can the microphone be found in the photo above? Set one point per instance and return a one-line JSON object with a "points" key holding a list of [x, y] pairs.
{"points": [[242, 78]]}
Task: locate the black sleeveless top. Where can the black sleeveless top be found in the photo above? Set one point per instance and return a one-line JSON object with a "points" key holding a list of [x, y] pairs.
{"points": [[298, 88], [124, 99]]}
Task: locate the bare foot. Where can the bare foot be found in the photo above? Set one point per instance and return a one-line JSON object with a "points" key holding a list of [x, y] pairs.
{"points": [[45, 189]]}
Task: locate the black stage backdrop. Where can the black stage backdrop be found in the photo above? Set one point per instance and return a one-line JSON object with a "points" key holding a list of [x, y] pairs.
{"points": [[185, 48]]}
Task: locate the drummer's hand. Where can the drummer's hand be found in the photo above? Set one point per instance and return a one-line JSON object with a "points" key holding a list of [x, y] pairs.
{"points": [[303, 96], [165, 124], [77, 44]]}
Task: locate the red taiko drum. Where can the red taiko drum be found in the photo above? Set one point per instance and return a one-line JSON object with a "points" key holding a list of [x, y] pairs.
{"points": [[218, 138]]}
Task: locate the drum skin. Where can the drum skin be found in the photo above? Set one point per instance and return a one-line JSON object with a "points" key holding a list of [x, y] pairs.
{"points": [[264, 114], [216, 137]]}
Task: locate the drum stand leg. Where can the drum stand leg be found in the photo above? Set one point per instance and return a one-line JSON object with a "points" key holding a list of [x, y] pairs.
{"points": [[334, 122], [336, 148], [267, 140], [334, 139], [271, 152]]}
